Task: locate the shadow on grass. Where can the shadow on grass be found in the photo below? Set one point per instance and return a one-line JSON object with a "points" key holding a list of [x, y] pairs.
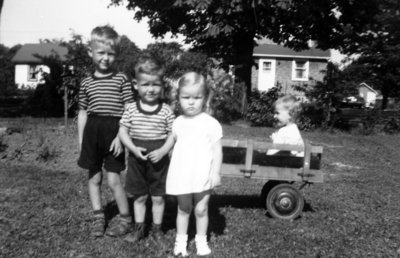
{"points": [[216, 226], [247, 202], [217, 221]]}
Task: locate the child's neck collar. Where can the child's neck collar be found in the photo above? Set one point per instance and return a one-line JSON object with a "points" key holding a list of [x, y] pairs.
{"points": [[100, 75], [148, 108]]}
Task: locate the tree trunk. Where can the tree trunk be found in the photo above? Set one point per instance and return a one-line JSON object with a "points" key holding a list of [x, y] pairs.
{"points": [[245, 62], [1, 5]]}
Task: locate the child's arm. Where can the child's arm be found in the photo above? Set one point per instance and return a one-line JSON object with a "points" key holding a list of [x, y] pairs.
{"points": [[156, 155], [215, 176], [126, 140], [82, 118], [116, 146]]}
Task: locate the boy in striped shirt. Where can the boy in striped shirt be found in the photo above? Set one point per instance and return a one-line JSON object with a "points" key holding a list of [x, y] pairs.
{"points": [[102, 97], [145, 129]]}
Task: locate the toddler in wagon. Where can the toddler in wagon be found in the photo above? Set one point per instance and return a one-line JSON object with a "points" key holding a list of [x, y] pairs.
{"points": [[287, 110]]}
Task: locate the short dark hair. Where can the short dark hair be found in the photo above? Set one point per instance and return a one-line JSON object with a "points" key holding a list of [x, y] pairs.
{"points": [[149, 64]]}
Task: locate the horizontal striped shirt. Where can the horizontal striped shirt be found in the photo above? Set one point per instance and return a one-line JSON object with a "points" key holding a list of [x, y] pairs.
{"points": [[105, 96], [145, 125]]}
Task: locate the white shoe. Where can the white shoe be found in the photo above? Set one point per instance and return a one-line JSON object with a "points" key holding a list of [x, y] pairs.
{"points": [[180, 249], [202, 247]]}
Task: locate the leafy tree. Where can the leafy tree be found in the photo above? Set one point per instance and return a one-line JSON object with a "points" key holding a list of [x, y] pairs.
{"points": [[128, 54], [228, 29], [167, 52], [330, 92], [7, 70], [177, 60], [379, 51]]}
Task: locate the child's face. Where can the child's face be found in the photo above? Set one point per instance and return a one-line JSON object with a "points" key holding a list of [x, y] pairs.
{"points": [[103, 56], [191, 99], [149, 88], [282, 115]]}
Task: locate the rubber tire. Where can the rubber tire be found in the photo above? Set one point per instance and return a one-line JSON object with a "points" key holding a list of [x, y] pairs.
{"points": [[266, 189], [292, 196]]}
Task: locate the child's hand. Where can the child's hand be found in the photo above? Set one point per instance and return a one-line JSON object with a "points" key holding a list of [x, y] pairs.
{"points": [[139, 153], [116, 147], [156, 155], [215, 180]]}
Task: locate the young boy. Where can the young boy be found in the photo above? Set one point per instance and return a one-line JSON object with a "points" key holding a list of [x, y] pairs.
{"points": [[102, 97], [145, 129]]}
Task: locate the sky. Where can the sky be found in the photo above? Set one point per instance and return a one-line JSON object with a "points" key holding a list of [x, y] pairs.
{"points": [[28, 21]]}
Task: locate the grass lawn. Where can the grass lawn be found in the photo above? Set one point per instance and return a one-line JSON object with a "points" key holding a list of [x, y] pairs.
{"points": [[45, 210]]}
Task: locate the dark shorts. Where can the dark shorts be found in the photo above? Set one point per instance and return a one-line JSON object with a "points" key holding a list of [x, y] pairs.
{"points": [[186, 202], [144, 177], [98, 135]]}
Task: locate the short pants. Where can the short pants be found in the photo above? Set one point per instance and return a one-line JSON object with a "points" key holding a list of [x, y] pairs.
{"points": [[143, 177], [98, 135]]}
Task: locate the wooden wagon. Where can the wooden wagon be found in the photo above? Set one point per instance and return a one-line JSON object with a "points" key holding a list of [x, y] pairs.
{"points": [[283, 199]]}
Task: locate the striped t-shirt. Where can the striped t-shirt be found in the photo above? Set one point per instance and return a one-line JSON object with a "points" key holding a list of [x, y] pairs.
{"points": [[145, 125], [105, 96]]}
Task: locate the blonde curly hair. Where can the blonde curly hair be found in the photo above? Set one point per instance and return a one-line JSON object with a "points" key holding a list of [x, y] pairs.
{"points": [[291, 104]]}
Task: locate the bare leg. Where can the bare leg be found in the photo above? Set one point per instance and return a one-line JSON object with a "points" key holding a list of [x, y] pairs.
{"points": [[182, 219], [139, 207], [158, 209], [94, 185], [182, 223], [201, 214], [114, 181]]}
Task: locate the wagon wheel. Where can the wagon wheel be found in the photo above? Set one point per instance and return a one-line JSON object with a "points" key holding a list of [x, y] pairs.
{"points": [[285, 202]]}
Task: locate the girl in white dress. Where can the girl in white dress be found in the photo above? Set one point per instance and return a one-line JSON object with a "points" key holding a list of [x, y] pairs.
{"points": [[287, 109], [195, 163]]}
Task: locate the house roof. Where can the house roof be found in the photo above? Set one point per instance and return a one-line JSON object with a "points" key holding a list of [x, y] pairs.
{"points": [[269, 50], [368, 87], [31, 53]]}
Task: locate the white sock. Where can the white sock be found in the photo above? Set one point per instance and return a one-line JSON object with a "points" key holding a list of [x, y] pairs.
{"points": [[201, 245], [180, 244]]}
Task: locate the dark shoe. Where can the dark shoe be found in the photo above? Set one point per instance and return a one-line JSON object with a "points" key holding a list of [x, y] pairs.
{"points": [[157, 236], [121, 226], [97, 227], [136, 235]]}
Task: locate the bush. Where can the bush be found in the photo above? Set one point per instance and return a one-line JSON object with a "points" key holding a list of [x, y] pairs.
{"points": [[392, 126], [260, 111], [311, 117], [227, 103], [377, 121], [44, 101], [47, 153]]}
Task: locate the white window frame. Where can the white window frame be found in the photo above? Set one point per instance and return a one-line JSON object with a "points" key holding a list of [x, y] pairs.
{"points": [[306, 70]]}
